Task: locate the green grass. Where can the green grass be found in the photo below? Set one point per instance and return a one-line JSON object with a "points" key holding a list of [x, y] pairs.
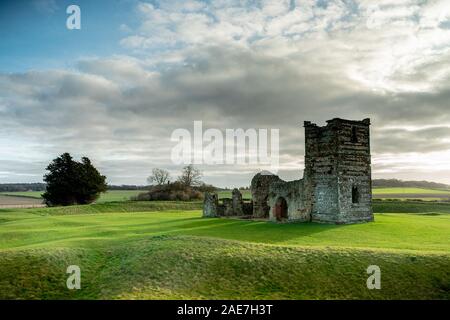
{"points": [[416, 207], [122, 195], [27, 194], [184, 267], [118, 195], [391, 231], [109, 196], [409, 191], [148, 250], [246, 194], [416, 193]]}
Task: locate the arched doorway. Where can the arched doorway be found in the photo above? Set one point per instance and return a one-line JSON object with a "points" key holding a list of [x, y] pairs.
{"points": [[280, 210]]}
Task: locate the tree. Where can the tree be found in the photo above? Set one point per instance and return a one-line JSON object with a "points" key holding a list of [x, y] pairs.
{"points": [[203, 187], [159, 177], [190, 176], [71, 182]]}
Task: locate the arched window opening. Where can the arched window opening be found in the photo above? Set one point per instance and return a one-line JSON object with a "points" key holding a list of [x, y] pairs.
{"points": [[355, 195], [354, 135]]}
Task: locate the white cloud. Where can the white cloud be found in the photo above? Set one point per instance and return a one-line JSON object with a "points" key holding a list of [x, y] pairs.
{"points": [[383, 46]]}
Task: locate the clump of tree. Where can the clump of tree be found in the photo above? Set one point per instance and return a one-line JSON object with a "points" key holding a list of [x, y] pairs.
{"points": [[158, 177], [174, 191], [188, 186], [127, 187], [203, 187], [190, 176], [70, 182]]}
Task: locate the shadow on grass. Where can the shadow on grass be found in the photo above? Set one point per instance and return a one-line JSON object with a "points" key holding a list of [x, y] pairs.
{"points": [[230, 229], [253, 231]]}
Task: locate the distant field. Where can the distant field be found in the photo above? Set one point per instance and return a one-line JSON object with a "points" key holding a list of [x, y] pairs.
{"points": [[19, 202], [246, 194], [380, 193], [409, 191], [27, 194], [113, 195], [118, 195]]}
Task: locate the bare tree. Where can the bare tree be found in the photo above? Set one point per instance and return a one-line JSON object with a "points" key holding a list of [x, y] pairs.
{"points": [[190, 176], [159, 177]]}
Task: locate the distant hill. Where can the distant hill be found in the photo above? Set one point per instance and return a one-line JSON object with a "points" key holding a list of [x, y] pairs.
{"points": [[395, 183]]}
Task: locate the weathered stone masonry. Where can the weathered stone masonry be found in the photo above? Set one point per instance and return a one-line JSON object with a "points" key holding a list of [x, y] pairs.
{"points": [[336, 185], [337, 176], [229, 207]]}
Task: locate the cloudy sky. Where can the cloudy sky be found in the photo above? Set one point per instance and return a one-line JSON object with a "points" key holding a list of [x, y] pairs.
{"points": [[137, 70]]}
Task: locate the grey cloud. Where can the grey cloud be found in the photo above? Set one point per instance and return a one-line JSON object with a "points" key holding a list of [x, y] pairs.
{"points": [[122, 114], [403, 141]]}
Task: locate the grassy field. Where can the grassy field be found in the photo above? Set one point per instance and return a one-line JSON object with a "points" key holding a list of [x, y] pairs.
{"points": [[151, 250], [25, 194], [415, 207], [382, 193], [19, 202], [378, 193], [118, 195], [246, 194], [409, 191], [112, 195]]}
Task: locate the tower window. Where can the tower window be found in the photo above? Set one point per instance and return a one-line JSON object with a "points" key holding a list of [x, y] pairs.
{"points": [[355, 195], [354, 135]]}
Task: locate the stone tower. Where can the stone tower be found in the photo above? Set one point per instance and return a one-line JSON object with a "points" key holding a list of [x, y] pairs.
{"points": [[337, 177]]}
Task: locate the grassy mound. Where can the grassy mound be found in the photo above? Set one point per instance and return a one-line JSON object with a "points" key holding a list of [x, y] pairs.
{"points": [[124, 206], [109, 196], [186, 267], [151, 250], [417, 207]]}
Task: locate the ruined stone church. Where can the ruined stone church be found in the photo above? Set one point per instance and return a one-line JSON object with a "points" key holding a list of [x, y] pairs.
{"points": [[336, 185]]}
